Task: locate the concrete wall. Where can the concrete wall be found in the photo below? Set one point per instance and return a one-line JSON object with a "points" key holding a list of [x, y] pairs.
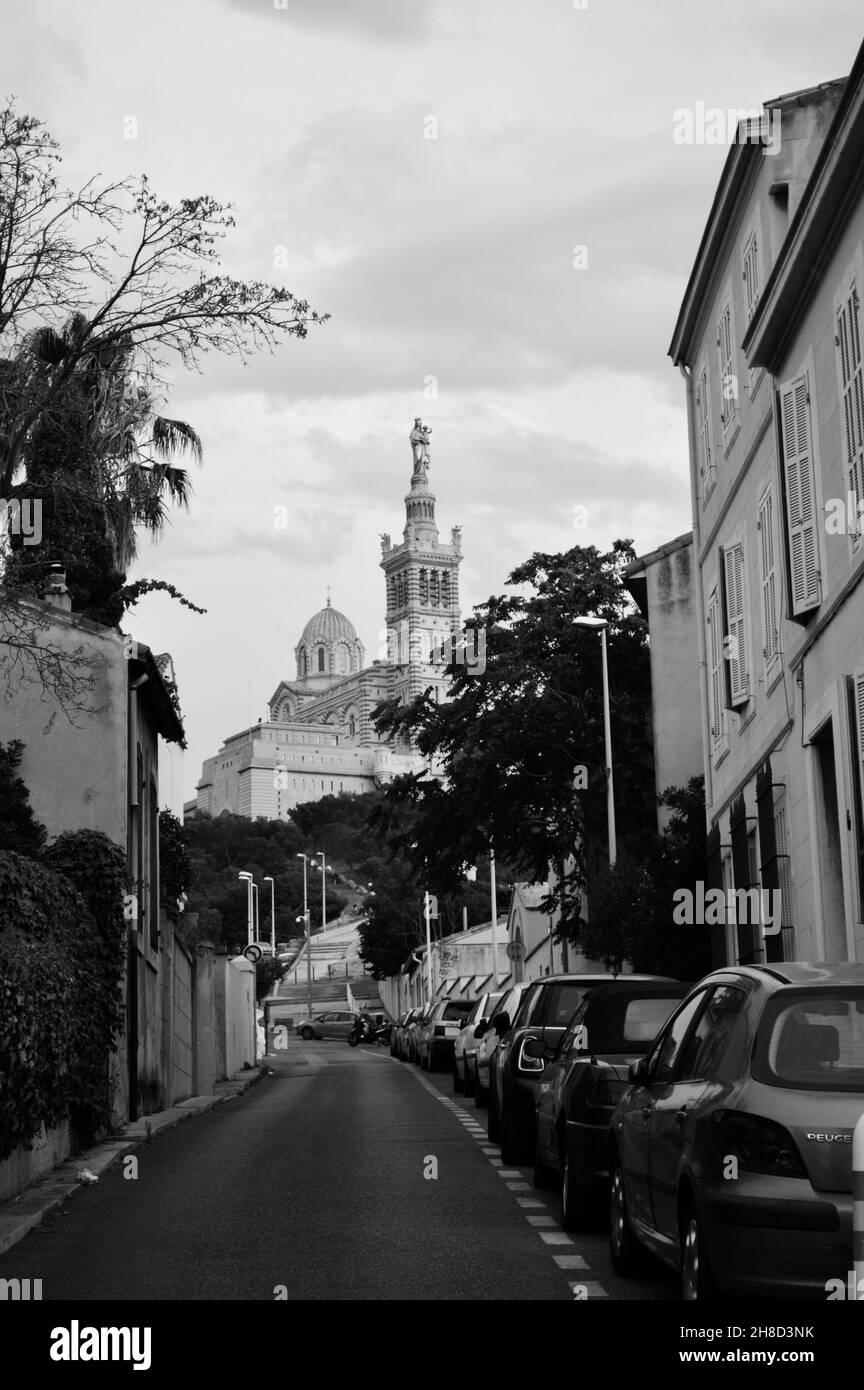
{"points": [[674, 673], [25, 1166], [240, 1027], [75, 771]]}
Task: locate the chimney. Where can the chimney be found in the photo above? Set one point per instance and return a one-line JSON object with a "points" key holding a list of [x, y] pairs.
{"points": [[55, 591]]}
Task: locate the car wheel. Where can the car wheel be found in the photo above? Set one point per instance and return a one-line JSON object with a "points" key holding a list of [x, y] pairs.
{"points": [[469, 1081], [697, 1279], [574, 1205], [624, 1248], [544, 1178], [307, 1033], [493, 1124], [458, 1083], [481, 1095]]}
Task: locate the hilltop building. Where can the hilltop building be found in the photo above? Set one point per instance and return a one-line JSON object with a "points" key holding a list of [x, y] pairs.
{"points": [[319, 737]]}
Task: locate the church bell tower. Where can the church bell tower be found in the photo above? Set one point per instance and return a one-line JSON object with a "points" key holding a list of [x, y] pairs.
{"points": [[422, 579]]}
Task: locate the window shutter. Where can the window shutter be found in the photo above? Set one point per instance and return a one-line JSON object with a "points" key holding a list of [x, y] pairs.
{"points": [[706, 459], [800, 494], [751, 275], [769, 578], [715, 637], [852, 387], [727, 377], [736, 633], [858, 696]]}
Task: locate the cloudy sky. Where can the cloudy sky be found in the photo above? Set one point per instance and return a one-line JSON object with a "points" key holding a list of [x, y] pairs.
{"points": [[425, 169]]}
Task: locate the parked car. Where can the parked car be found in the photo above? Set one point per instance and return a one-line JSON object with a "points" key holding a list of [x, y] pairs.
{"points": [[613, 1026], [325, 1025], [488, 1033], [395, 1030], [544, 1011], [465, 1046], [412, 1029], [732, 1151], [438, 1032]]}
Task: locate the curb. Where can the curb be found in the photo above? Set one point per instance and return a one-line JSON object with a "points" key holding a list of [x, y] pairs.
{"points": [[20, 1215]]}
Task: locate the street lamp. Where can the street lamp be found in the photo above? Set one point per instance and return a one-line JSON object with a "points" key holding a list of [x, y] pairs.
{"points": [[257, 920], [249, 883], [269, 880], [600, 625], [319, 854], [305, 859]]}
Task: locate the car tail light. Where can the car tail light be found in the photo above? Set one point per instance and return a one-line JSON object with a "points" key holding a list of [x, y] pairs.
{"points": [[760, 1145], [526, 1062]]}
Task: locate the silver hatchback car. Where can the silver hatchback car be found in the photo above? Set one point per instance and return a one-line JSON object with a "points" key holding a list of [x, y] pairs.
{"points": [[731, 1154]]}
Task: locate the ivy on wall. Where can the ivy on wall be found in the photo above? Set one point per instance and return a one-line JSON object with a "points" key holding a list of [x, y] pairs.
{"points": [[62, 939]]}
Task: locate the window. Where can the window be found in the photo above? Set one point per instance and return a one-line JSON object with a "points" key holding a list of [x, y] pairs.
{"points": [[707, 1043], [812, 1040], [435, 587], [728, 379], [851, 366], [703, 424], [735, 645], [445, 588], [752, 285], [424, 587], [800, 494], [767, 552], [320, 658], [664, 1054], [717, 710]]}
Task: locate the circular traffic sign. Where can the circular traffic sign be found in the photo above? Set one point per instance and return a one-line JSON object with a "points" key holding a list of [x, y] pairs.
{"points": [[515, 950], [253, 953]]}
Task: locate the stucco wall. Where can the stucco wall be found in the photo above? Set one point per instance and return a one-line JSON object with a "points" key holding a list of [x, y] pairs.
{"points": [[74, 763]]}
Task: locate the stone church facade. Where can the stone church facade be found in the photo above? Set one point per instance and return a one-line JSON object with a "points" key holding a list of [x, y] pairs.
{"points": [[319, 738]]}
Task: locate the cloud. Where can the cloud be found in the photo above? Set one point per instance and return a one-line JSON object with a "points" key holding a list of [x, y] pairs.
{"points": [[390, 21]]}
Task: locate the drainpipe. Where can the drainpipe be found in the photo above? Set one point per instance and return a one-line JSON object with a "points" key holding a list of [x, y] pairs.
{"points": [[132, 805], [700, 593]]}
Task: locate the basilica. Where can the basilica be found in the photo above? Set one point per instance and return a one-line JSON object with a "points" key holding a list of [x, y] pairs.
{"points": [[319, 737]]}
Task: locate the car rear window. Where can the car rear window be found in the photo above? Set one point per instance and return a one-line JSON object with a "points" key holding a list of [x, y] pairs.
{"points": [[455, 1010], [565, 1000], [643, 1019], [492, 1003], [812, 1040]]}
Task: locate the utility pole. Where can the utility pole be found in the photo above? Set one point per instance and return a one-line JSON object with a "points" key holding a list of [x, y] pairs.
{"points": [[426, 914], [494, 895]]}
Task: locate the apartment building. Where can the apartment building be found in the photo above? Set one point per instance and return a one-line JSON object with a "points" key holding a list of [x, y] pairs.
{"points": [[768, 340]]}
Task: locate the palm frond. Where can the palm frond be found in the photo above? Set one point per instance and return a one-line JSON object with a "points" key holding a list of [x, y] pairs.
{"points": [[175, 437]]}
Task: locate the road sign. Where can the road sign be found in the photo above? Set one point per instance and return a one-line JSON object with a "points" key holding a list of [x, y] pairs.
{"points": [[253, 953], [515, 950]]}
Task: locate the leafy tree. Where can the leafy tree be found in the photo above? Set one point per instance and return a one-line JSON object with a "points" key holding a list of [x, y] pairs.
{"points": [[513, 739], [19, 829], [631, 905]]}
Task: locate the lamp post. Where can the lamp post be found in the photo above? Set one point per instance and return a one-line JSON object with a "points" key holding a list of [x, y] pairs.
{"points": [[494, 905], [600, 625], [269, 880], [248, 878], [257, 920], [319, 854], [305, 859]]}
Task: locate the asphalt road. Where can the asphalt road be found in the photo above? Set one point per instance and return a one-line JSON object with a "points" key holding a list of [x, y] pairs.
{"points": [[344, 1175]]}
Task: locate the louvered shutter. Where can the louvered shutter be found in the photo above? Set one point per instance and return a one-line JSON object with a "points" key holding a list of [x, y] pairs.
{"points": [[736, 653], [852, 388], [858, 695], [715, 637], [769, 578], [800, 494]]}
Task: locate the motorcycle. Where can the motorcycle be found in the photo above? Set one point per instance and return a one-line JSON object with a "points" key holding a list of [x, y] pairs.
{"points": [[364, 1031]]}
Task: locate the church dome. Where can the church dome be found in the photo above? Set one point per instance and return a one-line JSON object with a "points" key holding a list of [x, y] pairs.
{"points": [[329, 649], [328, 625]]}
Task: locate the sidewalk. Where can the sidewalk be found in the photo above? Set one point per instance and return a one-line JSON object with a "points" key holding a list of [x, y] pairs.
{"points": [[19, 1216]]}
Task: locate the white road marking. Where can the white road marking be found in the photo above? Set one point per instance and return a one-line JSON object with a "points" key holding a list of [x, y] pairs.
{"points": [[570, 1261], [541, 1221], [555, 1237]]}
